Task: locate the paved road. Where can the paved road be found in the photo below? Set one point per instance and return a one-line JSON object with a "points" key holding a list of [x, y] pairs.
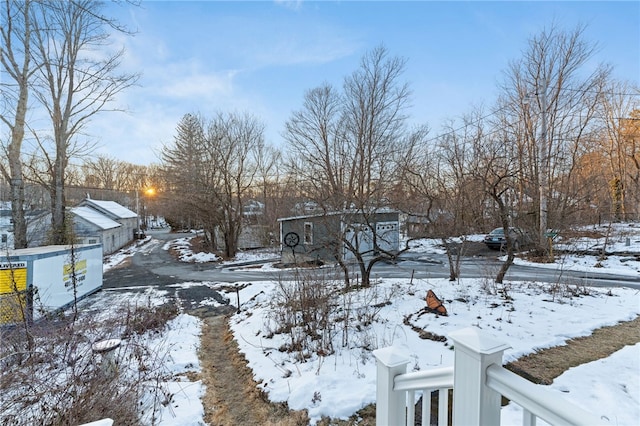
{"points": [[154, 267], [487, 264]]}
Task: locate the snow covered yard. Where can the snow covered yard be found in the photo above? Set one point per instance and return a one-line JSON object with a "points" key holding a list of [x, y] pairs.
{"points": [[337, 382], [340, 383], [533, 316], [176, 395]]}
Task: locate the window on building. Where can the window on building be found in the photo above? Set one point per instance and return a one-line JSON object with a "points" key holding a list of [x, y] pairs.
{"points": [[308, 233]]}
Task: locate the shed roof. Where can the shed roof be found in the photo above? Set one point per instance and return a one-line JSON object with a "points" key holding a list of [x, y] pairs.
{"points": [[382, 210], [117, 210], [45, 251], [94, 217]]}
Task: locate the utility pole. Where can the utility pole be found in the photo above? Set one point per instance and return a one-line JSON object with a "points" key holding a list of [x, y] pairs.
{"points": [[137, 215], [543, 168]]}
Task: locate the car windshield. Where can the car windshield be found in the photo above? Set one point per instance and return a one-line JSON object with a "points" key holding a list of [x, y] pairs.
{"points": [[497, 231]]}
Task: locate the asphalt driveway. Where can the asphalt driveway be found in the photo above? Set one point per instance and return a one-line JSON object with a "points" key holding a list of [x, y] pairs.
{"points": [[140, 272]]}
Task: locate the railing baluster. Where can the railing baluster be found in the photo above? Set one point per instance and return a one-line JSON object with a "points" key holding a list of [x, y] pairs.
{"points": [[528, 419], [443, 407], [411, 408], [426, 407]]}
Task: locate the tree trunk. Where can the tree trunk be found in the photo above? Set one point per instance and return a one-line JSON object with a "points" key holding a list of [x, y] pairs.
{"points": [[505, 267], [58, 223], [22, 75], [345, 271], [453, 273], [363, 271], [231, 238], [17, 181], [504, 219], [17, 209]]}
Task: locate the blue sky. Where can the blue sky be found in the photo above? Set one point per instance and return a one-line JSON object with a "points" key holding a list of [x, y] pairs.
{"points": [[262, 56]]}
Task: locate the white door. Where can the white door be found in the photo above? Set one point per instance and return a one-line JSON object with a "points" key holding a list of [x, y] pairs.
{"points": [[360, 237], [388, 236]]}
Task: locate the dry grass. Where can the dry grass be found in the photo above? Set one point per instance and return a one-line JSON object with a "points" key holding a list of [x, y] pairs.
{"points": [[545, 365], [52, 375], [199, 245], [366, 416], [232, 396]]}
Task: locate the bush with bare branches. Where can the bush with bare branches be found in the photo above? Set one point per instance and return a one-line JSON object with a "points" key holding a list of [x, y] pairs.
{"points": [[318, 315], [61, 379]]}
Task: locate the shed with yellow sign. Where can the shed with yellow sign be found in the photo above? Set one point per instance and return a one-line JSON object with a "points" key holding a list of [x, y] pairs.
{"points": [[40, 280]]}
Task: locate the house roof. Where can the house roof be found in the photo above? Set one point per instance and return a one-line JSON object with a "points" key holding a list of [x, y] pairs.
{"points": [[110, 207], [94, 217], [382, 210]]}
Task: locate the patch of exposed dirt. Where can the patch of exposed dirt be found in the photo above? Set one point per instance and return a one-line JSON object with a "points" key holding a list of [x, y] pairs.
{"points": [[199, 245], [232, 396], [547, 364]]}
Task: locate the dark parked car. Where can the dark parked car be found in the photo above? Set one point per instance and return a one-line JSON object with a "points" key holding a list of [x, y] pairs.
{"points": [[496, 240]]}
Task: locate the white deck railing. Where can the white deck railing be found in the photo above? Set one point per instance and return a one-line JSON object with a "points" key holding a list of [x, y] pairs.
{"points": [[478, 381]]}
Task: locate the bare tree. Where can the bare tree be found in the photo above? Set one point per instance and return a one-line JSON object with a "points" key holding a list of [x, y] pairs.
{"points": [[233, 140], [497, 169], [15, 57], [620, 147], [211, 167], [77, 78], [547, 90], [268, 184], [317, 155], [343, 148], [103, 172], [439, 196]]}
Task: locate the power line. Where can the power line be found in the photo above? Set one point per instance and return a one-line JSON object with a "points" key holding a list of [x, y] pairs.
{"points": [[478, 120], [605, 92]]}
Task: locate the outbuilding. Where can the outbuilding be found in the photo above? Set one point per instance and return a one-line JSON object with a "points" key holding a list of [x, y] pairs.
{"points": [[40, 280], [106, 222], [92, 227], [337, 236]]}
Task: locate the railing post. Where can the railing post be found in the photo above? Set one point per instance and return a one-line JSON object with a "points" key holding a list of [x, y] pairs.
{"points": [[390, 405], [473, 402]]}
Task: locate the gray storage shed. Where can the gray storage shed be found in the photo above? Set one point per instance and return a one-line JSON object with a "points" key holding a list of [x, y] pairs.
{"points": [[327, 237]]}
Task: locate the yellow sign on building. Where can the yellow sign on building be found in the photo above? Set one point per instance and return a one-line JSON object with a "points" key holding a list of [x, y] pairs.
{"points": [[77, 271], [13, 286]]}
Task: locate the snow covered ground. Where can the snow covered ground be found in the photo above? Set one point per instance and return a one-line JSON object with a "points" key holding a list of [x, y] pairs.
{"points": [[337, 384]]}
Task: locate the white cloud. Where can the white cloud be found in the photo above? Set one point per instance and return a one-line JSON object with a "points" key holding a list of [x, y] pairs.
{"points": [[198, 85], [290, 4]]}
